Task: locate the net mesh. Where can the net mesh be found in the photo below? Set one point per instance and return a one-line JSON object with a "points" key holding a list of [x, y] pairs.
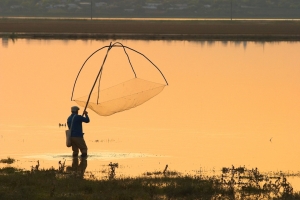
{"points": [[121, 97]]}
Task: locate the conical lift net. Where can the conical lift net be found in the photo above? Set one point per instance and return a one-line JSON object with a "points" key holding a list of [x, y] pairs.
{"points": [[121, 97]]}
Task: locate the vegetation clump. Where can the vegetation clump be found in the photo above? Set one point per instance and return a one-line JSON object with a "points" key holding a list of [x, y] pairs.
{"points": [[8, 160], [69, 183]]}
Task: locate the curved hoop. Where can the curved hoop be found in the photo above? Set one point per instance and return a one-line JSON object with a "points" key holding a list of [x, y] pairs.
{"points": [[116, 44], [82, 68]]}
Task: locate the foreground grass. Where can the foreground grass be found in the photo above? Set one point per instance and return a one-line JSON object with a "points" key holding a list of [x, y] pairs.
{"points": [[43, 184], [63, 184]]}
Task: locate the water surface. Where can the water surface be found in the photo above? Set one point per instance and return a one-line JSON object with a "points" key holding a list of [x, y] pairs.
{"points": [[227, 103]]}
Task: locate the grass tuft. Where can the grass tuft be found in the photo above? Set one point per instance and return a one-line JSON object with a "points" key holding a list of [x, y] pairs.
{"points": [[233, 183], [8, 160]]}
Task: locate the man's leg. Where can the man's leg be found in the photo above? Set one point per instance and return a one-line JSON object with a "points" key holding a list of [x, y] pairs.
{"points": [[80, 143], [75, 148], [83, 148]]}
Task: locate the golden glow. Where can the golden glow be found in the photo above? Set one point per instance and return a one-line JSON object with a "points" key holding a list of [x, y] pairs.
{"points": [[224, 102]]}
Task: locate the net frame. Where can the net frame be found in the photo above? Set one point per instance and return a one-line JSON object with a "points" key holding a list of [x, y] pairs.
{"points": [[98, 77]]}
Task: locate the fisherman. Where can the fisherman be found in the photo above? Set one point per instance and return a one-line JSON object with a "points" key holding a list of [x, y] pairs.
{"points": [[77, 139]]}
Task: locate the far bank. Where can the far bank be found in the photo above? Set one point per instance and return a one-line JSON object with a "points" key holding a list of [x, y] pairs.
{"points": [[269, 30]]}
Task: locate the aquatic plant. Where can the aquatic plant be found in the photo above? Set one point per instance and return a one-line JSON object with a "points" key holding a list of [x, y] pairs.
{"points": [[244, 182], [8, 160], [112, 172], [35, 168], [233, 183]]}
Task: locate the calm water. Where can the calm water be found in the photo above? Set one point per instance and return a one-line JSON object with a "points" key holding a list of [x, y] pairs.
{"points": [[227, 103]]}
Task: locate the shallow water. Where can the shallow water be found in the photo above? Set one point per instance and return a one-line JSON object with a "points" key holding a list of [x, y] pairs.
{"points": [[227, 103]]}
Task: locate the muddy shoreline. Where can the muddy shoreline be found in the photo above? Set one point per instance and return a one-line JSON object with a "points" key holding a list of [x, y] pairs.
{"points": [[260, 30]]}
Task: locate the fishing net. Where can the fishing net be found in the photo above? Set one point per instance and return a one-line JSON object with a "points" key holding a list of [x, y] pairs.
{"points": [[121, 97]]}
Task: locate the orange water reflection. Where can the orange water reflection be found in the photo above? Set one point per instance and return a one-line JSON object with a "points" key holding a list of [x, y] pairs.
{"points": [[224, 102]]}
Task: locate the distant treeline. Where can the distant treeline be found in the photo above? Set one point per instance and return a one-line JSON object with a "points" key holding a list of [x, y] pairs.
{"points": [[152, 8]]}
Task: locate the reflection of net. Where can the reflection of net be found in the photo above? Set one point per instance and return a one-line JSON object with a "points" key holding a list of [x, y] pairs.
{"points": [[121, 97]]}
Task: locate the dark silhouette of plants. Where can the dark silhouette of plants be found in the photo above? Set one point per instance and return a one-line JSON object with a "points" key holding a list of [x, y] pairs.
{"points": [[8, 160], [35, 168], [233, 183], [252, 184], [112, 172]]}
